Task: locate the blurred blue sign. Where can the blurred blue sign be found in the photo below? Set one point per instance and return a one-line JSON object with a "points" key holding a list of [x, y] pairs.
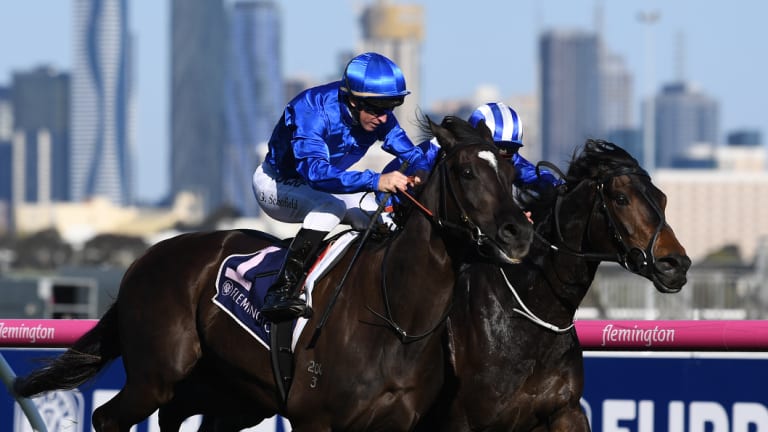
{"points": [[679, 392], [641, 392]]}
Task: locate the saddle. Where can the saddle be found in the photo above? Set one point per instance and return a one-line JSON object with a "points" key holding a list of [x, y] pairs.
{"points": [[242, 283]]}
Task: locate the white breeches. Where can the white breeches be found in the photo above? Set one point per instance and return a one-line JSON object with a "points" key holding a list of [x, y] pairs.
{"points": [[294, 201]]}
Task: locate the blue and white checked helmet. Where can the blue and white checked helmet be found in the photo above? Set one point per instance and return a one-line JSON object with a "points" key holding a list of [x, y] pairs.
{"points": [[503, 122]]}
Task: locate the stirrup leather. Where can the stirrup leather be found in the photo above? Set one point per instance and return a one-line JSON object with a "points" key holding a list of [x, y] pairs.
{"points": [[286, 308]]}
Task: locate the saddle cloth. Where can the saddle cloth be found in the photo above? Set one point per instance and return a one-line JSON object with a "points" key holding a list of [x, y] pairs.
{"points": [[243, 280]]}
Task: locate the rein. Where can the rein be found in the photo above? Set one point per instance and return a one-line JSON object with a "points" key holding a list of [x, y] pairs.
{"points": [[387, 315], [468, 227], [527, 312], [633, 259], [337, 290]]}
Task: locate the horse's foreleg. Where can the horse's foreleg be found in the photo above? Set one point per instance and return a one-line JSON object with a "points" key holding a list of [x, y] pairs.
{"points": [[170, 417]]}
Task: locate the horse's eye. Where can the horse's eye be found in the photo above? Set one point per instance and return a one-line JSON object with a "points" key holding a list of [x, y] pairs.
{"points": [[621, 199], [467, 173]]}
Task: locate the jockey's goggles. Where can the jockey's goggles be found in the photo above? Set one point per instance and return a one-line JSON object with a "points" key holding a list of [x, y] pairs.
{"points": [[507, 148], [378, 106]]}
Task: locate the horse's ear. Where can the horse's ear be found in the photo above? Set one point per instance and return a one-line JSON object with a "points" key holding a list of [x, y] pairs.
{"points": [[484, 131], [444, 136]]}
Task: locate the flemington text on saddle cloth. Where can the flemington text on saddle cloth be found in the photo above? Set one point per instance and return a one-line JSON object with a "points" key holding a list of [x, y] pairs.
{"points": [[243, 280]]}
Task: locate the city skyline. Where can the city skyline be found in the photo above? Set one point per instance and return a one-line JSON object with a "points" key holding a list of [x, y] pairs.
{"points": [[715, 51]]}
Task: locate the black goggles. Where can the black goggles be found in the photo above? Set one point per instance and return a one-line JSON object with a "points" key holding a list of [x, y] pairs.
{"points": [[377, 106], [507, 149]]}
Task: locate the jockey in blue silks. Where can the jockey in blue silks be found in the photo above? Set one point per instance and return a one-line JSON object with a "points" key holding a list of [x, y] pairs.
{"points": [[507, 129], [305, 177]]}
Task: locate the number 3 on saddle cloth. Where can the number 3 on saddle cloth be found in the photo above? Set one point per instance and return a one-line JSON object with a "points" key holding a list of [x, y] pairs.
{"points": [[243, 280]]}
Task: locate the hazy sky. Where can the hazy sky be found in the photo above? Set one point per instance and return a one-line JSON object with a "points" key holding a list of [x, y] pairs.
{"points": [[718, 45]]}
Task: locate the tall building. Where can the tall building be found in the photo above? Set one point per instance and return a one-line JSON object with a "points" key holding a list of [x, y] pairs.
{"points": [[41, 106], [569, 67], [198, 74], [6, 132], [397, 31], [102, 102], [616, 85], [6, 114], [254, 95], [685, 118]]}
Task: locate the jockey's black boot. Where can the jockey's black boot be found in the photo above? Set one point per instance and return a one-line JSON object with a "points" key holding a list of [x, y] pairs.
{"points": [[282, 302]]}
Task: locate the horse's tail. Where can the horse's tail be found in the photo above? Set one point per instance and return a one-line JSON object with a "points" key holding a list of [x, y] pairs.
{"points": [[87, 356]]}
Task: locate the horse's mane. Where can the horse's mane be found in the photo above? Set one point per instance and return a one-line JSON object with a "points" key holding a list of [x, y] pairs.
{"points": [[595, 160], [463, 131], [599, 159]]}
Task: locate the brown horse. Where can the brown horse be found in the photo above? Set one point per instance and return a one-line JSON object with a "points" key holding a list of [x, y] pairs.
{"points": [[377, 363], [514, 362], [515, 359]]}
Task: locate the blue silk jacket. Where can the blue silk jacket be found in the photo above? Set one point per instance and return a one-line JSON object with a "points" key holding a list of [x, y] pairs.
{"points": [[317, 139]]}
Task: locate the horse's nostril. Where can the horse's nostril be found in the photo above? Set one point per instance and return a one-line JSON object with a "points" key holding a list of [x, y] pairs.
{"points": [[672, 263], [508, 231], [511, 232]]}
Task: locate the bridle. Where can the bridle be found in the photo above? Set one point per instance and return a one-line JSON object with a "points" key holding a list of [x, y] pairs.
{"points": [[440, 221], [466, 226], [634, 259]]}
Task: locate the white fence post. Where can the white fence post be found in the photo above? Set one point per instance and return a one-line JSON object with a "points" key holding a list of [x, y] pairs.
{"points": [[27, 406]]}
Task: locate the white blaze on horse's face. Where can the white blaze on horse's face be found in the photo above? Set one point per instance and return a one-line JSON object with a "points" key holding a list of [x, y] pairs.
{"points": [[491, 158]]}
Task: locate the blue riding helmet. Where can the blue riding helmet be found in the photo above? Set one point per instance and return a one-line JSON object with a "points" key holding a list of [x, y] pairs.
{"points": [[373, 76], [503, 121]]}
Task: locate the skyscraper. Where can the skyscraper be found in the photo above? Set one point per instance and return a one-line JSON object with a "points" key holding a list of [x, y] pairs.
{"points": [[198, 73], [6, 131], [569, 67], [6, 114], [685, 117], [41, 106], [102, 103], [615, 93], [254, 95], [397, 31]]}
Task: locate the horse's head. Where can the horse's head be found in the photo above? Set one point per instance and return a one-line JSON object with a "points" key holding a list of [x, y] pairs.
{"points": [[469, 192], [627, 219]]}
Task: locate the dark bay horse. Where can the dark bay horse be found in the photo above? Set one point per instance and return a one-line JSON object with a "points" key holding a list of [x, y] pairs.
{"points": [[365, 372], [516, 363]]}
